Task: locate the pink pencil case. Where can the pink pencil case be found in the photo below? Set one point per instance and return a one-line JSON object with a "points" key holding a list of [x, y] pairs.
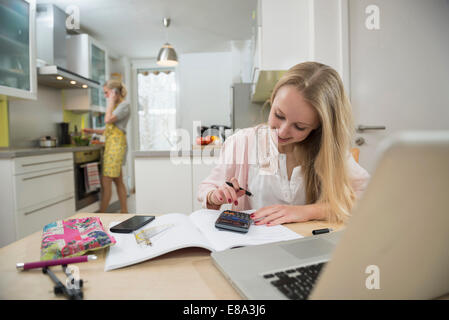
{"points": [[73, 237]]}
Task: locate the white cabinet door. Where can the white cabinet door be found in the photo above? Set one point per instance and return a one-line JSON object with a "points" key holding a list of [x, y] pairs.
{"points": [[88, 58], [77, 99], [35, 191], [285, 34], [43, 162], [7, 205], [201, 168], [98, 72], [43, 187], [32, 221], [163, 186]]}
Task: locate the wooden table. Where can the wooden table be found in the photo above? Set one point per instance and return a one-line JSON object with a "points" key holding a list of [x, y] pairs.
{"points": [[184, 274]]}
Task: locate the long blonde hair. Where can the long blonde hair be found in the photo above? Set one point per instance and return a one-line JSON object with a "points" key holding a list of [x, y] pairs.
{"points": [[324, 153]]}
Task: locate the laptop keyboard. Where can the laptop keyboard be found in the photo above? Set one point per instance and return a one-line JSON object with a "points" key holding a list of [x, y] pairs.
{"points": [[295, 283]]}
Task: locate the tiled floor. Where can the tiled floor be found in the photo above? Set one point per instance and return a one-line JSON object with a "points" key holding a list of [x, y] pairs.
{"points": [[115, 207], [132, 203]]}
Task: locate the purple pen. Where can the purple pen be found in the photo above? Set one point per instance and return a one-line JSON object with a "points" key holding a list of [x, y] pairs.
{"points": [[56, 262]]}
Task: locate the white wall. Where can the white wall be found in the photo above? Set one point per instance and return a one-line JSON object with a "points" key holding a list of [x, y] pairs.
{"points": [[242, 61], [205, 81], [30, 120]]}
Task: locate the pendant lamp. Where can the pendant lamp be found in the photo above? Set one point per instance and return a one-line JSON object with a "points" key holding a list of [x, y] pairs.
{"points": [[167, 56]]}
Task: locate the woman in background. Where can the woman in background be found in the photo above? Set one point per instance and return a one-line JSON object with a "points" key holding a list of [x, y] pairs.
{"points": [[114, 156], [298, 166]]}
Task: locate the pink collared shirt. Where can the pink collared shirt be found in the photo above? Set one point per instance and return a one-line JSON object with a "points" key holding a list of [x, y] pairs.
{"points": [[238, 154]]}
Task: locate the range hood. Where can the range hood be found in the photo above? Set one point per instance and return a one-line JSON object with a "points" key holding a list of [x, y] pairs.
{"points": [[264, 82], [58, 77], [52, 51]]}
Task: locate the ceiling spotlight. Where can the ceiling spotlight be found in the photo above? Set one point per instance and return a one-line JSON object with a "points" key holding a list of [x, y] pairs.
{"points": [[72, 81], [84, 86], [59, 78]]}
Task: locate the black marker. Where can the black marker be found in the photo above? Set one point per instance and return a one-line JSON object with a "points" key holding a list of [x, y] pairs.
{"points": [[320, 231], [249, 194]]}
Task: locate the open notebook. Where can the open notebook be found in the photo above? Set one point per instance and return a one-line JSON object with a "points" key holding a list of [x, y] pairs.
{"points": [[194, 230]]}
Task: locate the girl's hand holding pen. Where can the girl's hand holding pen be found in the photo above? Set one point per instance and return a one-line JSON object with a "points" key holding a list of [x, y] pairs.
{"points": [[226, 194]]}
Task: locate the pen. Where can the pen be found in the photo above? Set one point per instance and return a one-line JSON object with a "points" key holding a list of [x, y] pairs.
{"points": [[249, 194], [320, 231], [56, 262]]}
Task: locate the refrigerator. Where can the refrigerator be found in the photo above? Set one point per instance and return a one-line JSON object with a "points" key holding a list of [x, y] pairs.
{"points": [[245, 113]]}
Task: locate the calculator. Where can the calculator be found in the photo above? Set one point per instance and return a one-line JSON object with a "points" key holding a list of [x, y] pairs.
{"points": [[233, 221]]}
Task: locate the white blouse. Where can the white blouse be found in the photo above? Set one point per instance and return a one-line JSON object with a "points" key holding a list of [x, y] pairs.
{"points": [[270, 185], [275, 188]]}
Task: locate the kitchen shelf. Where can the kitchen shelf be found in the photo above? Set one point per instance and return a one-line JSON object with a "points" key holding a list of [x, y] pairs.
{"points": [[14, 72], [12, 46], [13, 13]]}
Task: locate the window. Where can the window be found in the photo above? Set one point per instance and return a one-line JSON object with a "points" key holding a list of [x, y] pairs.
{"points": [[156, 90]]}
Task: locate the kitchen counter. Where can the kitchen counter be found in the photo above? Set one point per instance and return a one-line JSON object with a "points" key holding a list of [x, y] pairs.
{"points": [[207, 150], [8, 153]]}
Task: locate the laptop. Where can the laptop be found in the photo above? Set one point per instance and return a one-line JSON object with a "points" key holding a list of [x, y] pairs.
{"points": [[394, 246]]}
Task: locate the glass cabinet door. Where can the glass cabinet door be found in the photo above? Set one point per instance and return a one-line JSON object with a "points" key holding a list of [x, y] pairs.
{"points": [[95, 97], [16, 67], [98, 73]]}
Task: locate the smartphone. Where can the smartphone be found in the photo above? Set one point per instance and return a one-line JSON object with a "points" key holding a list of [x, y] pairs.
{"points": [[132, 224]]}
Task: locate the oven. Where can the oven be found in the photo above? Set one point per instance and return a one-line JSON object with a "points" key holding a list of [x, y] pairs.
{"points": [[83, 198]]}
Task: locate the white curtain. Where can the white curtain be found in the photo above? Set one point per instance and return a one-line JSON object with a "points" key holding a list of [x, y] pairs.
{"points": [[157, 109]]}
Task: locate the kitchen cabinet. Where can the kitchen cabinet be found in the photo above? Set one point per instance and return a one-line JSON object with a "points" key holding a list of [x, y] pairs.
{"points": [[88, 58], [282, 34], [163, 186], [35, 191], [98, 73], [18, 49], [201, 168], [283, 38], [81, 100], [289, 32]]}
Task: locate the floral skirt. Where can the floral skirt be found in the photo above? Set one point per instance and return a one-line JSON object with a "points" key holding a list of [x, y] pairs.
{"points": [[114, 151]]}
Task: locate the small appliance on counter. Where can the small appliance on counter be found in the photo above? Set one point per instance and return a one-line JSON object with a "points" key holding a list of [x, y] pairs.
{"points": [[201, 130], [63, 134], [47, 142], [219, 130], [216, 130]]}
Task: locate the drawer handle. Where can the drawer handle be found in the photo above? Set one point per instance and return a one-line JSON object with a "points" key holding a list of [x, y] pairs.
{"points": [[44, 175], [50, 205], [37, 163]]}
